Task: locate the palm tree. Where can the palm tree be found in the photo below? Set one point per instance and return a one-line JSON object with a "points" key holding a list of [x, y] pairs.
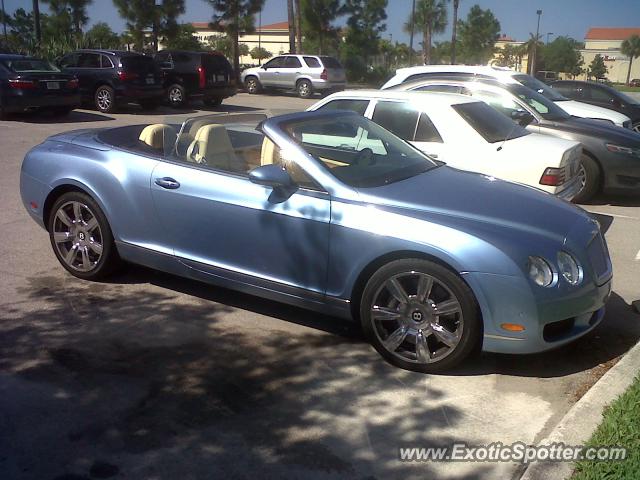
{"points": [[292, 27], [454, 28], [532, 46], [79, 17], [430, 18], [631, 48], [298, 22]]}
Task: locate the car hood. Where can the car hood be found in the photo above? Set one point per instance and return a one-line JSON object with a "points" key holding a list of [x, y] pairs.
{"points": [[595, 128], [585, 110], [458, 198]]}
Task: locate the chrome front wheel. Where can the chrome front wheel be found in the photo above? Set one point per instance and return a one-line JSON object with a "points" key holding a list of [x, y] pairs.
{"points": [[252, 86], [419, 315], [81, 237]]}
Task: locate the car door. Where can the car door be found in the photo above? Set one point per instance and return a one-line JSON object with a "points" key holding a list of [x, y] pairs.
{"points": [[88, 72], [290, 72], [222, 224], [69, 64], [269, 76], [601, 97]]}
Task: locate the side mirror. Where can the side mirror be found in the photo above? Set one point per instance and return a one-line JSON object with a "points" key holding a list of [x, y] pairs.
{"points": [[522, 117], [273, 176], [264, 67]]}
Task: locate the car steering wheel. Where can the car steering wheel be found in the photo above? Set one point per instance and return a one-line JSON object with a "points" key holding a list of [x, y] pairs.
{"points": [[364, 156]]}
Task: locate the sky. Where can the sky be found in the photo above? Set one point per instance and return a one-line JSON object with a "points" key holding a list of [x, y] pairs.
{"points": [[517, 17]]}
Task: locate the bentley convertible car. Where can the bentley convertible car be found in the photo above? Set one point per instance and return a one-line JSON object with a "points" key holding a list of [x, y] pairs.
{"points": [[330, 212]]}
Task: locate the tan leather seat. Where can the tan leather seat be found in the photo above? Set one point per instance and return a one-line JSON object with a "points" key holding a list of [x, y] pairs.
{"points": [[158, 136], [213, 147], [268, 152]]}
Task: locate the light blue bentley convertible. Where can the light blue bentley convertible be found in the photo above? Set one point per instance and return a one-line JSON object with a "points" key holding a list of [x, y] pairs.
{"points": [[330, 212]]}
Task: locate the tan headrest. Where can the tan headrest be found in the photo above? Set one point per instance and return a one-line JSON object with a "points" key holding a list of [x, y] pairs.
{"points": [[212, 146], [268, 152], [158, 135]]}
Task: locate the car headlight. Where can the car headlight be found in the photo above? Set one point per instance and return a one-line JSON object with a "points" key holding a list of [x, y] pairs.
{"points": [[569, 268], [540, 271]]}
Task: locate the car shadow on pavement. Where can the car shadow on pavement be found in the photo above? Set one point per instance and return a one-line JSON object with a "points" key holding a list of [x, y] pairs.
{"points": [[224, 107], [153, 386], [615, 200], [75, 116]]}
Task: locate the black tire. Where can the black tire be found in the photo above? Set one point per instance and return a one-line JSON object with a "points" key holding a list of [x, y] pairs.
{"points": [[84, 240], [213, 101], [149, 104], [446, 286], [104, 99], [61, 111], [590, 171], [176, 95], [252, 85], [304, 88]]}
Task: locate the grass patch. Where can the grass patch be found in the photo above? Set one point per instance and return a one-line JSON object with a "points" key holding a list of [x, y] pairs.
{"points": [[624, 88], [620, 427]]}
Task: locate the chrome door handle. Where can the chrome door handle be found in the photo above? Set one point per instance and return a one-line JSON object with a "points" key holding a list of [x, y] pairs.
{"points": [[167, 182]]}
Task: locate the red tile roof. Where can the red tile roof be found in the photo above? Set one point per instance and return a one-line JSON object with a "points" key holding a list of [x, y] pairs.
{"points": [[599, 33], [273, 26]]}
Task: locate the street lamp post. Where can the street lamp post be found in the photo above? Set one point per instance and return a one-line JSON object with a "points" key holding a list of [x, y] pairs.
{"points": [[535, 45]]}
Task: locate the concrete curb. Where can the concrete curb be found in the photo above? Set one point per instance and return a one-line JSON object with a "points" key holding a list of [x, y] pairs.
{"points": [[583, 418]]}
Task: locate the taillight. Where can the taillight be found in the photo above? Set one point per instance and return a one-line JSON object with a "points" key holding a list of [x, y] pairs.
{"points": [[324, 75], [73, 83], [124, 76], [553, 177], [201, 78], [21, 84]]}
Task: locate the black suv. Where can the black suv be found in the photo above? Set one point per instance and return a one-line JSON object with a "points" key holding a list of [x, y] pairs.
{"points": [[109, 77], [602, 96], [190, 75]]}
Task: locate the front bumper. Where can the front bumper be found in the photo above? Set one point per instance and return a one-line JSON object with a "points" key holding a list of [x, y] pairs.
{"points": [[20, 103], [622, 173], [549, 323]]}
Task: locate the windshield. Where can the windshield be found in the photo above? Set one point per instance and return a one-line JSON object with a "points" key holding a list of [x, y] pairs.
{"points": [[493, 126], [24, 65], [536, 85], [356, 151], [546, 108]]}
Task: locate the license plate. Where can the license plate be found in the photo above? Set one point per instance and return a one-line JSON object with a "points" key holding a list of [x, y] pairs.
{"points": [[53, 85], [150, 81], [219, 78]]}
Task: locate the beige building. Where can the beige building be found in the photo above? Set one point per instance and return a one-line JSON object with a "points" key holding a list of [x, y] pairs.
{"points": [[606, 43], [273, 37], [519, 63]]}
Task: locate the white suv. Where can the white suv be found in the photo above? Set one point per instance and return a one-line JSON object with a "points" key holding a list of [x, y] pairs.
{"points": [[506, 75], [304, 73]]}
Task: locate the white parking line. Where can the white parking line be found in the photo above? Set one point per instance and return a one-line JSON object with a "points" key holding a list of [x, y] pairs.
{"points": [[638, 256]]}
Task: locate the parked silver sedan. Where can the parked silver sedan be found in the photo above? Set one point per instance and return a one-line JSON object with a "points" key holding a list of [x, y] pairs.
{"points": [[305, 74]]}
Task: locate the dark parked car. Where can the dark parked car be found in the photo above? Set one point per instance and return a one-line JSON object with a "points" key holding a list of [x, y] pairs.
{"points": [[602, 96], [635, 82], [191, 75], [109, 77], [28, 83]]}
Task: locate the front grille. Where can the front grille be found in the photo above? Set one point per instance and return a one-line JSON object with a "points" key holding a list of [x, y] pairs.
{"points": [[557, 330], [598, 256]]}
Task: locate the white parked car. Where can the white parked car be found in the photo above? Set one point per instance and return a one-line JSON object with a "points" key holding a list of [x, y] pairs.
{"points": [[506, 75], [467, 134]]}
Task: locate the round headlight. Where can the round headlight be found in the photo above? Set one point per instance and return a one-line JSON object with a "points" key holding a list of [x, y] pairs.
{"points": [[569, 268], [540, 271]]}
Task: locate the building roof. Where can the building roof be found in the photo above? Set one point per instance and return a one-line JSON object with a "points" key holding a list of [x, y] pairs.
{"points": [[284, 26], [606, 33]]}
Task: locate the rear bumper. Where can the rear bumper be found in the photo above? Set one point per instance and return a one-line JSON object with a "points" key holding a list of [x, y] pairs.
{"points": [[20, 103], [570, 190], [328, 85], [133, 93]]}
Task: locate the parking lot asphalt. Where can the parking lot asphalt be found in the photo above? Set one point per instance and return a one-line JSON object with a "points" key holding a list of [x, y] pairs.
{"points": [[149, 376]]}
